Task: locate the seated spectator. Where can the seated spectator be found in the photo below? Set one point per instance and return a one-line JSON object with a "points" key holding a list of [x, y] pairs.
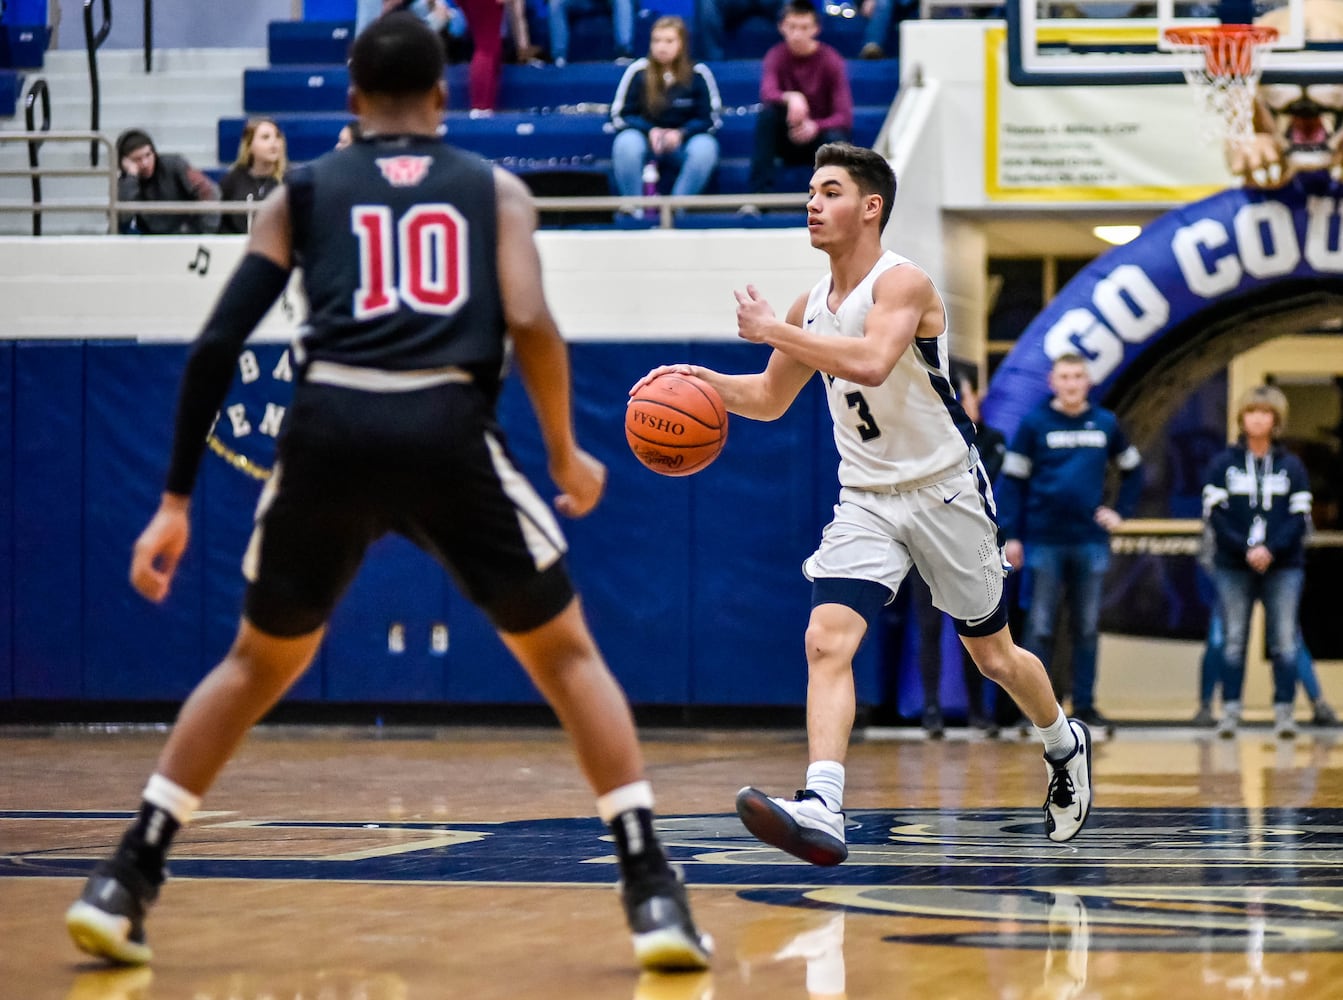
{"points": [[804, 95], [349, 132], [667, 109], [258, 170], [622, 21], [714, 18], [147, 175]]}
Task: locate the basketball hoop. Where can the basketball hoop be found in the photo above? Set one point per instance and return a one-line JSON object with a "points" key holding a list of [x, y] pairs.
{"points": [[1228, 77]]}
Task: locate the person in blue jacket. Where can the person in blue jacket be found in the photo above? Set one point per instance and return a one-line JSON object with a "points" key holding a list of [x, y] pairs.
{"points": [[1257, 502], [666, 110], [1055, 519]]}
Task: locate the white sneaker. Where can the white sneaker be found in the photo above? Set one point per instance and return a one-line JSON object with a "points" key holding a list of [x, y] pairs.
{"points": [[1283, 723], [1230, 722], [1068, 803], [804, 827]]}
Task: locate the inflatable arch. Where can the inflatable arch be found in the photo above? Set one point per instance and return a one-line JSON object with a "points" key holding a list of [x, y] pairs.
{"points": [[1157, 317]]}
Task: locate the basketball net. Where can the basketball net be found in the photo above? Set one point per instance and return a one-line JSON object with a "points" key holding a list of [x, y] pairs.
{"points": [[1227, 78]]}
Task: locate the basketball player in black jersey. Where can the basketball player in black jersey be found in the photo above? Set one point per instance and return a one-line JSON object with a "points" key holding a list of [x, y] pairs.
{"points": [[418, 261]]}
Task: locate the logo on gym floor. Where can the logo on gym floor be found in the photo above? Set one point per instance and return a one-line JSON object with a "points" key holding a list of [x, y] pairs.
{"points": [[1204, 879]]}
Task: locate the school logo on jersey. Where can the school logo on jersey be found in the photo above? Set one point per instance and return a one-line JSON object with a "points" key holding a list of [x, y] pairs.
{"points": [[404, 171]]}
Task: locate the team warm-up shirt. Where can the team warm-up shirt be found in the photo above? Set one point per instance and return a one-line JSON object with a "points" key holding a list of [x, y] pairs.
{"points": [[1054, 476], [406, 278], [1249, 501], [909, 427]]}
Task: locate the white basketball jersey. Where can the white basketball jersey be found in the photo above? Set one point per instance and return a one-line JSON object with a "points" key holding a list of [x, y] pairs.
{"points": [[909, 427]]}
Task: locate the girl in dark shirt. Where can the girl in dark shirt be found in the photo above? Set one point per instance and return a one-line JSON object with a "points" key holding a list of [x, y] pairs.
{"points": [[667, 110], [256, 172]]}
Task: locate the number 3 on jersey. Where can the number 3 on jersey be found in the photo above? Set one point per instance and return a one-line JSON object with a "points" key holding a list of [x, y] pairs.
{"points": [[421, 261], [867, 428]]}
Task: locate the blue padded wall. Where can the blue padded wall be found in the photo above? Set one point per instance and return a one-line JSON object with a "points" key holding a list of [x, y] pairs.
{"points": [[48, 518], [693, 586], [133, 650], [7, 520]]}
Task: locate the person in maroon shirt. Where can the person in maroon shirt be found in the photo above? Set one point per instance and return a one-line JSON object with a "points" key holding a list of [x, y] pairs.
{"points": [[804, 95]]}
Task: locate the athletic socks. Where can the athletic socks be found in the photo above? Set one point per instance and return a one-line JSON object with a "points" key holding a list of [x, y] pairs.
{"points": [[1060, 740], [628, 811], [167, 807], [826, 779]]}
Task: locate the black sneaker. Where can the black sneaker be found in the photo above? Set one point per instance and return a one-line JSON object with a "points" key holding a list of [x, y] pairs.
{"points": [[108, 919], [933, 724], [1093, 718], [658, 913]]}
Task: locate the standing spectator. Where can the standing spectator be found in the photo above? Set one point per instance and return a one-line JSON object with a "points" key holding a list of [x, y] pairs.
{"points": [[622, 22], [669, 109], [1051, 505], [258, 170], [804, 95], [148, 175], [1256, 500], [485, 18], [713, 19]]}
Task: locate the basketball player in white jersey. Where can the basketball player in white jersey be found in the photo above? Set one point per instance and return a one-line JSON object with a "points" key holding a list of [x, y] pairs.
{"points": [[913, 493]]}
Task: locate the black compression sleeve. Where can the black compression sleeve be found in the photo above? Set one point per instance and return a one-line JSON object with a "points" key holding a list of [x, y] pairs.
{"points": [[251, 291]]}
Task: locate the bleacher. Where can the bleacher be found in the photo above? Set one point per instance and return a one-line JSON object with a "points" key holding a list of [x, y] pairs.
{"points": [[551, 123]]}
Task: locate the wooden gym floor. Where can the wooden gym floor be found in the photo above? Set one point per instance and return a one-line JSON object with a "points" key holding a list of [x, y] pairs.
{"points": [[342, 864]]}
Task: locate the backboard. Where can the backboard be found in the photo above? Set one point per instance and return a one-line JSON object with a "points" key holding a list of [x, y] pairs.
{"points": [[1112, 42]]}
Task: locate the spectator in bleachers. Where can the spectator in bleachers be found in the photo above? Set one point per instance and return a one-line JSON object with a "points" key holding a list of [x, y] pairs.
{"points": [[879, 14], [667, 109], [258, 170], [485, 18], [622, 22], [714, 18], [805, 96], [148, 175], [349, 132]]}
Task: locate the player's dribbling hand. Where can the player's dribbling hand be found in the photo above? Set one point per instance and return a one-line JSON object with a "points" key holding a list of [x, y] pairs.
{"points": [[663, 370], [581, 479], [159, 549], [754, 315]]}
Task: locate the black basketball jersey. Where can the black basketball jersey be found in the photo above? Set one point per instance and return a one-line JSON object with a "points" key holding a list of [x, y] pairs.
{"points": [[396, 239]]}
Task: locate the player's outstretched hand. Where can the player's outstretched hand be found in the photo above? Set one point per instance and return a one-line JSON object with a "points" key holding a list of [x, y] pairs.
{"points": [[159, 549], [581, 479], [663, 370]]}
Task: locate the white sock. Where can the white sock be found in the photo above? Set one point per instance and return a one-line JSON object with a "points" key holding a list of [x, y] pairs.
{"points": [[1060, 740], [172, 798], [826, 779], [635, 795]]}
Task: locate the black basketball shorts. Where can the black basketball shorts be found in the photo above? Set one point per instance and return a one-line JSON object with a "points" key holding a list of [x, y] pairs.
{"points": [[429, 464]]}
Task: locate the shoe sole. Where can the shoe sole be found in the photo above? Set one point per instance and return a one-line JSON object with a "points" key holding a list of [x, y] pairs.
{"points": [[103, 935], [771, 825], [671, 950], [1091, 794]]}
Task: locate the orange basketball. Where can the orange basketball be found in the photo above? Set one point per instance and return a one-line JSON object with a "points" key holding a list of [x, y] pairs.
{"points": [[676, 424]]}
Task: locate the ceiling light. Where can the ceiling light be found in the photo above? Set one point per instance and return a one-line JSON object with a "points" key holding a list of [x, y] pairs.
{"points": [[1118, 235]]}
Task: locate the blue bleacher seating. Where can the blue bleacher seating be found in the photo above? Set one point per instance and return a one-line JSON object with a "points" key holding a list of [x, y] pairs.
{"points": [[551, 121], [11, 83], [284, 89]]}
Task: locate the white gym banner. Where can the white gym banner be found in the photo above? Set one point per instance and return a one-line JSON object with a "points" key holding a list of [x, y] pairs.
{"points": [[1107, 144]]}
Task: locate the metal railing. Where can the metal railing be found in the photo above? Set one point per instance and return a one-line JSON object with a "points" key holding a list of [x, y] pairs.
{"points": [[92, 42], [666, 207], [38, 91]]}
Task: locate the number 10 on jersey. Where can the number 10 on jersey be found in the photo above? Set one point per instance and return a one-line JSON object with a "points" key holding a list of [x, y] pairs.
{"points": [[423, 266]]}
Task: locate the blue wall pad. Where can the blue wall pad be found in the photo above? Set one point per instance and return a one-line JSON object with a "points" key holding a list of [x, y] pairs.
{"points": [[48, 524], [133, 650], [7, 520]]}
